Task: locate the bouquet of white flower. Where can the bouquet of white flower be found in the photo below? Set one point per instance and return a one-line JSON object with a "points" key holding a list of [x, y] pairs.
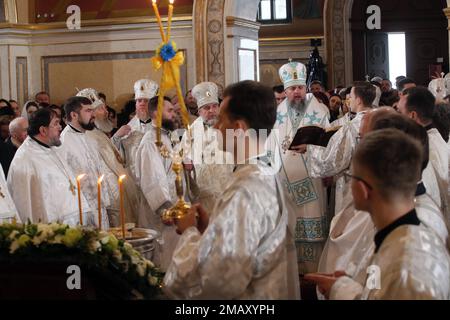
{"points": [[91, 249]]}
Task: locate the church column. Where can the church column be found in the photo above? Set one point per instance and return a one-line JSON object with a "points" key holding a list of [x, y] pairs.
{"points": [[221, 28], [241, 50], [8, 16], [209, 41], [338, 42], [447, 14]]}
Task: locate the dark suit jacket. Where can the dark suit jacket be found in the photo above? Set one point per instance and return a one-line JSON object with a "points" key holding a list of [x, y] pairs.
{"points": [[7, 152]]}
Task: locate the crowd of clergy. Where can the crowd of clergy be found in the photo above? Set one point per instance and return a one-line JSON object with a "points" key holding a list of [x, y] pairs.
{"points": [[364, 217]]}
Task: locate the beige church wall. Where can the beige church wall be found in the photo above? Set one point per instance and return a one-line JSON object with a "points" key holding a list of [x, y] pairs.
{"points": [[24, 7], [4, 74], [108, 58], [14, 72], [113, 74]]}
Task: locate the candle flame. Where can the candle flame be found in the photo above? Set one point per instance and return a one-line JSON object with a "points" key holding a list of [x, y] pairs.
{"points": [[171, 1], [154, 1], [101, 179], [122, 177], [81, 176]]}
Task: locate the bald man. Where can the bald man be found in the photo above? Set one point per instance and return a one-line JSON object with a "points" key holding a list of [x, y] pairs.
{"points": [[18, 133]]}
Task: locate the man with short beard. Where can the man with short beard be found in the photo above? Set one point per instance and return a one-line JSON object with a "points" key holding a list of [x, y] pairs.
{"points": [[40, 182], [82, 157], [157, 180], [191, 105], [113, 163], [304, 195], [211, 166]]}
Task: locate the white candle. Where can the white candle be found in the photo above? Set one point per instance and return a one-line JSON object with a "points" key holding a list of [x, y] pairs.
{"points": [[122, 211], [99, 194]]}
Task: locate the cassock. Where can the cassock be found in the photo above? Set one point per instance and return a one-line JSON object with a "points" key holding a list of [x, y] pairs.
{"points": [[114, 165], [305, 197], [43, 186], [7, 152], [439, 160], [335, 159], [350, 241], [79, 152], [157, 181], [410, 263], [213, 166], [8, 210], [246, 252]]}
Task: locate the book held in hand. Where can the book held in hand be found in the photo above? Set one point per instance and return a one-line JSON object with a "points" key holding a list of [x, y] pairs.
{"points": [[313, 135]]}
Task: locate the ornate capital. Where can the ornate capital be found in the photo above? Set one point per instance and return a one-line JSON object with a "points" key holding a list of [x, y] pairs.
{"points": [[447, 12]]}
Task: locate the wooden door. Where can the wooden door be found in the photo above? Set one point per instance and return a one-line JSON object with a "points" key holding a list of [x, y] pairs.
{"points": [[377, 53]]}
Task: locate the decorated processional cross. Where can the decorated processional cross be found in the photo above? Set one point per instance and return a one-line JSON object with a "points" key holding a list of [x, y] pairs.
{"points": [[169, 59]]}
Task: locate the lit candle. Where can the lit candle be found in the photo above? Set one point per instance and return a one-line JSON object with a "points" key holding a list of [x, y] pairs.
{"points": [[99, 194], [169, 18], [122, 211], [158, 19], [81, 176]]}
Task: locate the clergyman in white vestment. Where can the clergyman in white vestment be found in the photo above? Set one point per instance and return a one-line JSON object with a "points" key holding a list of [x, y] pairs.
{"points": [[246, 250], [127, 140], [410, 261], [419, 104], [79, 152], [213, 167], [305, 196], [8, 210], [113, 164], [40, 182], [157, 181]]}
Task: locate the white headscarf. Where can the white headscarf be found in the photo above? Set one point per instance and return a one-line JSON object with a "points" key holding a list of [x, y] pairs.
{"points": [[25, 107]]}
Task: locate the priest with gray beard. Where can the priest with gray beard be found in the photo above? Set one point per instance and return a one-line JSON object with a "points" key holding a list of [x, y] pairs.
{"points": [[304, 195], [213, 166], [114, 164]]}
